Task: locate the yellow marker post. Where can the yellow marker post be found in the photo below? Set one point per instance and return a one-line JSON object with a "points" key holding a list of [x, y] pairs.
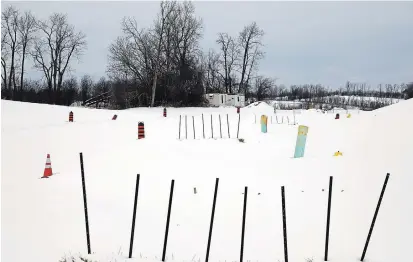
{"points": [[264, 120], [301, 141]]}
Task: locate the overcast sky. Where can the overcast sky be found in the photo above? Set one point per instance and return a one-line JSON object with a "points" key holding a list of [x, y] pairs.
{"points": [[305, 42]]}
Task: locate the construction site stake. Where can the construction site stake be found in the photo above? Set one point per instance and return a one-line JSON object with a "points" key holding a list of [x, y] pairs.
{"points": [[284, 224], [239, 120], [179, 127], [244, 215], [229, 136], [134, 216], [85, 203], [220, 130], [375, 216], [167, 220], [203, 126], [212, 219], [193, 125], [328, 218], [186, 128], [212, 128]]}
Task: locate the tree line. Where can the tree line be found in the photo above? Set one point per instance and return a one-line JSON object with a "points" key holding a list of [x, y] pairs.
{"points": [[159, 65], [51, 44], [358, 95]]}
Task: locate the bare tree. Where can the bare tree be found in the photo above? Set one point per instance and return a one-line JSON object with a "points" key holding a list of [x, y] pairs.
{"points": [[70, 83], [164, 56], [54, 50], [26, 29], [229, 56], [10, 23], [167, 8], [70, 90], [408, 91], [253, 64], [4, 56], [212, 82], [131, 63], [102, 86], [250, 42], [263, 87], [86, 84], [186, 33], [131, 60], [137, 52], [123, 60]]}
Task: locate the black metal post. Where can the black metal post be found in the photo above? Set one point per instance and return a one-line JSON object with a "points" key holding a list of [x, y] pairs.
{"points": [[134, 216], [186, 128], [203, 126], [179, 127], [284, 224], [212, 128], [375, 216], [244, 213], [193, 125], [85, 203], [212, 219], [239, 120], [167, 220], [328, 218], [229, 136], [220, 130]]}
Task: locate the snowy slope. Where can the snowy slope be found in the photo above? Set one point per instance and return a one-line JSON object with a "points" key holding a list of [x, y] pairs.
{"points": [[42, 219]]}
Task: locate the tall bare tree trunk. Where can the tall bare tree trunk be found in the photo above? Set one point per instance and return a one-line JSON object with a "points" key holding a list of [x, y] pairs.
{"points": [[244, 68], [4, 77], [11, 74], [155, 78], [26, 29], [21, 74], [166, 10]]}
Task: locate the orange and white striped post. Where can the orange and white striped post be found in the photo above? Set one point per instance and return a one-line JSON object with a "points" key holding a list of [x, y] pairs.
{"points": [[71, 116], [48, 168], [141, 130]]}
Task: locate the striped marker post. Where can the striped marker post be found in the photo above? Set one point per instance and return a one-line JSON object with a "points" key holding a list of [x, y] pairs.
{"points": [[141, 130]]}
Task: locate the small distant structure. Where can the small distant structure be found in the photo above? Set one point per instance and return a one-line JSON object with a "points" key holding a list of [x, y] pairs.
{"points": [[217, 99]]}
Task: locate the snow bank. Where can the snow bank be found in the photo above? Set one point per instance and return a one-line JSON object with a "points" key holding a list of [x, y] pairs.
{"points": [[258, 104]]}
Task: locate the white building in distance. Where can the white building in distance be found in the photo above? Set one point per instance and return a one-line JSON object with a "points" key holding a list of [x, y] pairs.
{"points": [[216, 99]]}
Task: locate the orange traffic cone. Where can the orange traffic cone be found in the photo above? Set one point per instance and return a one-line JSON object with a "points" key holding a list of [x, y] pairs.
{"points": [[48, 168]]}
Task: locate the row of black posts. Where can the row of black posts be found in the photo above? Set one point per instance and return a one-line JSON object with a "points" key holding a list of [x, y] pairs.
{"points": [[203, 126], [284, 216]]}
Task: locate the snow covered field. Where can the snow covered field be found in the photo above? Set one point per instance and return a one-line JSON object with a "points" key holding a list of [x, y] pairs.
{"points": [[43, 219], [349, 101]]}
